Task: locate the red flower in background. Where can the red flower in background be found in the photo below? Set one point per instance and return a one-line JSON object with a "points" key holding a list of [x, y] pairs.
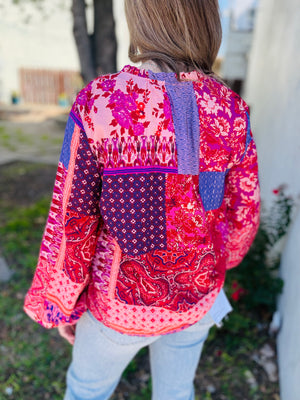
{"points": [[239, 291], [238, 294], [234, 285], [279, 189]]}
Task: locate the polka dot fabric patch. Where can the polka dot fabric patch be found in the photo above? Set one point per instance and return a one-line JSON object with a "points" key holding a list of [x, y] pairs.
{"points": [[133, 207]]}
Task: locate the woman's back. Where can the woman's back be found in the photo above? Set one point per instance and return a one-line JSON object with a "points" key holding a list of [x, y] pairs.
{"points": [[169, 200]]}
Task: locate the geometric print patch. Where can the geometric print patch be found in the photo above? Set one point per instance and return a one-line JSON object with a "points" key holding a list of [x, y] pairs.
{"points": [[86, 184], [133, 207]]}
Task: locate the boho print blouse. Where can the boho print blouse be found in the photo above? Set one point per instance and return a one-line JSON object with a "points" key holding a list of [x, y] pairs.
{"points": [[156, 196]]}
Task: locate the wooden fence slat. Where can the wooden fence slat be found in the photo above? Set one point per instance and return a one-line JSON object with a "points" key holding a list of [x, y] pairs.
{"points": [[42, 86]]}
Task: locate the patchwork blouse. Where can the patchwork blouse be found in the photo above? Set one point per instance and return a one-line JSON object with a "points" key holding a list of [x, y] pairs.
{"points": [[156, 196]]}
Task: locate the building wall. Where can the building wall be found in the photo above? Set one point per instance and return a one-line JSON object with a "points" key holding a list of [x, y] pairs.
{"points": [[122, 34], [31, 38], [288, 339], [273, 92], [41, 42], [236, 55]]}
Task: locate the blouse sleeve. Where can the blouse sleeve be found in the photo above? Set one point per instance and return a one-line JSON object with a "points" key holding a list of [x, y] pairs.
{"points": [[57, 295], [243, 203]]}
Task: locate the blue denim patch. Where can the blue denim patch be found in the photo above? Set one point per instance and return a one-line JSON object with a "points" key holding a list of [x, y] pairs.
{"points": [[211, 187], [66, 147]]}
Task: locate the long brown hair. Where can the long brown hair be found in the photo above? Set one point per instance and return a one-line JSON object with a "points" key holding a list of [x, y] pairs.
{"points": [[181, 34]]}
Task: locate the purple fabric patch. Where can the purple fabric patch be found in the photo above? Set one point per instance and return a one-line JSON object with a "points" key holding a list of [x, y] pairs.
{"points": [[76, 118], [86, 184], [186, 121], [133, 207], [211, 187]]}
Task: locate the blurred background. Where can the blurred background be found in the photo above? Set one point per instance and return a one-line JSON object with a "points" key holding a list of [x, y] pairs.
{"points": [[49, 49]]}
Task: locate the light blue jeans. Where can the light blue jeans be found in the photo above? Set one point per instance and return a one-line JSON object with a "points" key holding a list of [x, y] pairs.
{"points": [[101, 354]]}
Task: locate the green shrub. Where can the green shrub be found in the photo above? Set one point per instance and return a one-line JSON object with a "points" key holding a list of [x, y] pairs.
{"points": [[254, 285]]}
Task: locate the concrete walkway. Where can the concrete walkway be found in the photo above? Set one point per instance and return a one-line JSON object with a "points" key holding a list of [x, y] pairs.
{"points": [[32, 133]]}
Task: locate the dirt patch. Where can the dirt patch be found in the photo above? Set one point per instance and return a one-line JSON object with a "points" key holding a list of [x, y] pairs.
{"points": [[35, 135], [31, 113], [22, 183]]}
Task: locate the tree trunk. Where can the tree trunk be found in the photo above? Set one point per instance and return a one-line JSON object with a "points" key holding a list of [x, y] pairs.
{"points": [[105, 44], [83, 42]]}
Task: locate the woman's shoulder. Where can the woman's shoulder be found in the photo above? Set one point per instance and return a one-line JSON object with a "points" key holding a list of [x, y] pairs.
{"points": [[224, 95], [103, 83], [95, 94]]}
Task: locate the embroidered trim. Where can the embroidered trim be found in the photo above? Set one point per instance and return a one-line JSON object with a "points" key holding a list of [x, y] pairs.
{"points": [[140, 170], [114, 270]]}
